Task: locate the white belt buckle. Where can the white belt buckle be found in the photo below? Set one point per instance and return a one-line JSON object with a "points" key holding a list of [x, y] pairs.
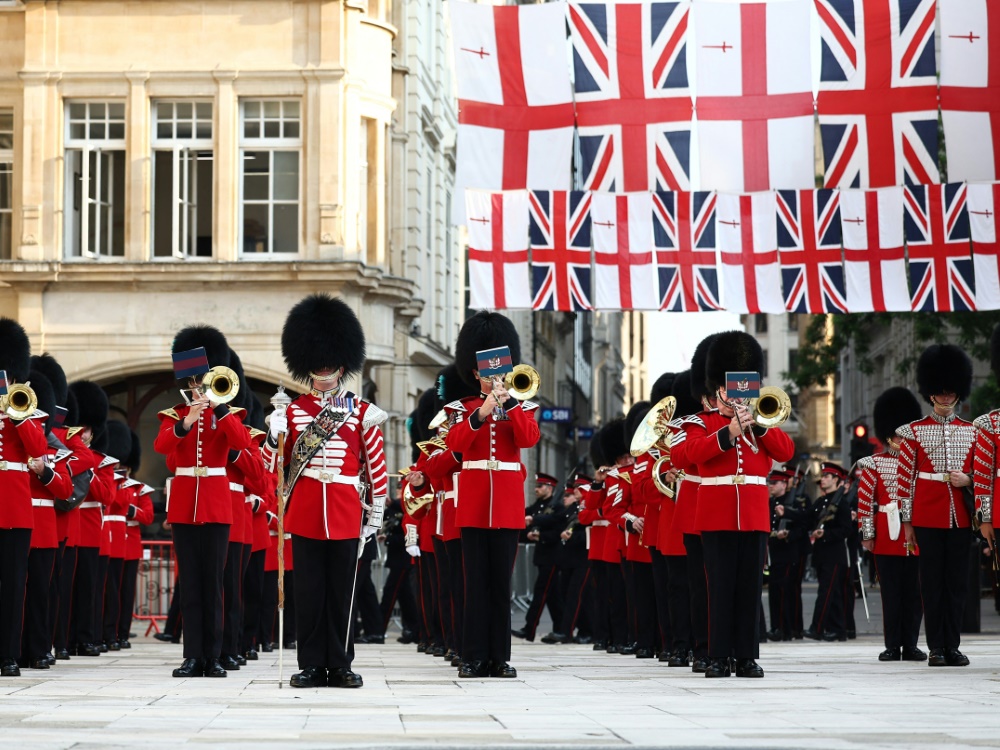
{"points": [[325, 477], [201, 471], [739, 479], [945, 476], [492, 465]]}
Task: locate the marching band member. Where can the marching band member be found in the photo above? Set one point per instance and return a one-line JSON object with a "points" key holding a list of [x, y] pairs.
{"points": [[574, 569], [879, 521], [935, 461], [617, 484], [783, 558], [540, 516], [596, 526], [830, 554], [115, 531], [139, 513], [985, 463]]}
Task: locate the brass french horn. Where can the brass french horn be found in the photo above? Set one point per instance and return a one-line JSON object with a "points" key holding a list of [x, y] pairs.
{"points": [[20, 402]]}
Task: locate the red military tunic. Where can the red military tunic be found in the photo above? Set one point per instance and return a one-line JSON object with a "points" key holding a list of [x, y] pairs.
{"points": [[733, 493], [614, 536], [645, 492], [325, 502], [68, 522], [139, 513], [116, 518], [199, 492], [669, 540], [19, 441], [589, 515], [686, 500], [984, 466], [54, 484], [101, 495], [441, 468], [877, 495], [929, 449], [490, 487]]}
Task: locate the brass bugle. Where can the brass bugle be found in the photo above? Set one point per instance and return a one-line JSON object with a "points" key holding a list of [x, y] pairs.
{"points": [[20, 402], [522, 382]]}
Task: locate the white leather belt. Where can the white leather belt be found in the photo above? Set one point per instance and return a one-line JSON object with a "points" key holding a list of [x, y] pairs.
{"points": [[90, 504], [275, 533], [200, 471], [449, 495], [250, 498], [235, 487], [132, 523], [492, 465], [940, 476], [601, 522], [887, 508], [330, 477], [121, 519], [691, 478], [12, 466], [733, 479], [35, 503]]}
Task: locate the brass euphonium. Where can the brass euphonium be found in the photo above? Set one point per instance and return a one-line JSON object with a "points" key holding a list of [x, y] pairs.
{"points": [[653, 432], [20, 401]]}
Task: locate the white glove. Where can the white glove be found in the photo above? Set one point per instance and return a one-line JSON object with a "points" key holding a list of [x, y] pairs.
{"points": [[413, 550], [279, 424], [369, 530]]}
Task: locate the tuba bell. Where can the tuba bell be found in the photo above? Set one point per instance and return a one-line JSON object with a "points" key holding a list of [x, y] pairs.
{"points": [[20, 401], [771, 408], [522, 383], [220, 384], [652, 431]]}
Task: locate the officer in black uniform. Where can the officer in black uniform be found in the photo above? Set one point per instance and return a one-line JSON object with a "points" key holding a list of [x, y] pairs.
{"points": [[829, 554], [574, 570], [783, 555], [398, 585], [544, 520]]}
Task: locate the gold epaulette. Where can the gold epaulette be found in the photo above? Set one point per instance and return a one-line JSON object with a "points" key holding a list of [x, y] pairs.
{"points": [[255, 433], [404, 472], [71, 431], [171, 414], [626, 476], [427, 447]]}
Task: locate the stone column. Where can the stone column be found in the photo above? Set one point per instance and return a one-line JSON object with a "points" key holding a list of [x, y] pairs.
{"points": [[28, 225], [227, 169], [138, 177]]}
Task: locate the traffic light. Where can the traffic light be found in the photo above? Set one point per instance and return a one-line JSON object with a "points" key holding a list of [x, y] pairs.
{"points": [[860, 444]]}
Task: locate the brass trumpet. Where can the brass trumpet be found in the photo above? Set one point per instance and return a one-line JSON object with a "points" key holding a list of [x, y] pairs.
{"points": [[20, 402], [522, 383], [220, 384], [770, 409]]}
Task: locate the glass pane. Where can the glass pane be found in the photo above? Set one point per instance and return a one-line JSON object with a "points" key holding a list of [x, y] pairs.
{"points": [[272, 109], [6, 122], [77, 111], [5, 187], [272, 128], [255, 229], [92, 227], [251, 109], [204, 130], [107, 177], [5, 230], [184, 129], [291, 130], [286, 175], [256, 176], [165, 129], [116, 110], [203, 110], [6, 140], [97, 131], [163, 165], [164, 110], [286, 229], [77, 130], [290, 110], [116, 131], [97, 110], [184, 110], [251, 129]]}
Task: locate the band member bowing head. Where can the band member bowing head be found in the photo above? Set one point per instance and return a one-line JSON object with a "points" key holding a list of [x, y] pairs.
{"points": [[490, 431], [935, 463], [733, 512], [336, 482], [196, 438]]}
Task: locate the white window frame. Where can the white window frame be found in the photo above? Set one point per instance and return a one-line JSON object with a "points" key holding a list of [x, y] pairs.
{"points": [[7, 165], [184, 159], [86, 146], [270, 145]]}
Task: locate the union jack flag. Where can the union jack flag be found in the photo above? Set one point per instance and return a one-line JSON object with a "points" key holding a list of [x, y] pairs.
{"points": [[633, 101], [877, 100], [809, 238], [560, 250], [939, 243], [684, 243]]}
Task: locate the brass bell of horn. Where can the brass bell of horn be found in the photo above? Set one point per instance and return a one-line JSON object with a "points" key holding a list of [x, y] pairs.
{"points": [[20, 402], [221, 384], [522, 383]]}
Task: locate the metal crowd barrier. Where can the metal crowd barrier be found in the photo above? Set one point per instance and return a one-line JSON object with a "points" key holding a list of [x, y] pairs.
{"points": [[154, 588]]}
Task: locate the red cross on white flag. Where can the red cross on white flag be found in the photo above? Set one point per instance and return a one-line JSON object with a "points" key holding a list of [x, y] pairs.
{"points": [[498, 250], [754, 102], [515, 101], [747, 232], [622, 231], [970, 88], [874, 260], [984, 200]]}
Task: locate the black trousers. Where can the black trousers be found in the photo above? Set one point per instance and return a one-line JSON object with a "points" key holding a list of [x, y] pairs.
{"points": [[445, 596], [661, 585], [630, 614], [324, 581], [398, 587], [850, 577], [600, 580], [15, 546], [54, 591], [618, 604], [268, 632], [232, 598], [83, 624], [174, 625], [102, 580], [644, 604], [456, 573], [366, 599], [944, 564], [201, 560], [899, 585], [828, 614], [782, 583], [129, 572], [734, 567], [36, 636], [253, 590], [546, 591], [488, 556], [679, 603], [64, 609], [430, 619], [113, 599], [576, 599], [698, 588]]}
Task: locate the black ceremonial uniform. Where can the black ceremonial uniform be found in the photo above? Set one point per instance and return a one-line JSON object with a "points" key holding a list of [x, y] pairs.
{"points": [[398, 586], [830, 558], [549, 521]]}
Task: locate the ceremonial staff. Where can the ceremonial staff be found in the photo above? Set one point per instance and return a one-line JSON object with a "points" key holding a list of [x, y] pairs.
{"points": [[280, 402]]}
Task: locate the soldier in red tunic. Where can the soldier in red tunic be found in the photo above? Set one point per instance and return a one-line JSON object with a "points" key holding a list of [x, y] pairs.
{"points": [[197, 439], [935, 464], [881, 530], [138, 513], [733, 510], [985, 466], [336, 469], [595, 527], [490, 431]]}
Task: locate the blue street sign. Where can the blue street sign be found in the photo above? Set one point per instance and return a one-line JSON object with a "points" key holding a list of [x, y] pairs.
{"points": [[557, 414], [583, 433]]}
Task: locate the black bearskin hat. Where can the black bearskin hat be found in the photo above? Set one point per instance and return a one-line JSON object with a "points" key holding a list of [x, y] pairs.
{"points": [[322, 332], [92, 405], [944, 368], [698, 362], [995, 351], [47, 366], [45, 394], [72, 410], [596, 453], [614, 442], [256, 413], [244, 395], [427, 409], [732, 351], [216, 347], [484, 330], [686, 403], [635, 415], [100, 444], [119, 440], [662, 388], [413, 430], [451, 387], [894, 408], [134, 460], [15, 350]]}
